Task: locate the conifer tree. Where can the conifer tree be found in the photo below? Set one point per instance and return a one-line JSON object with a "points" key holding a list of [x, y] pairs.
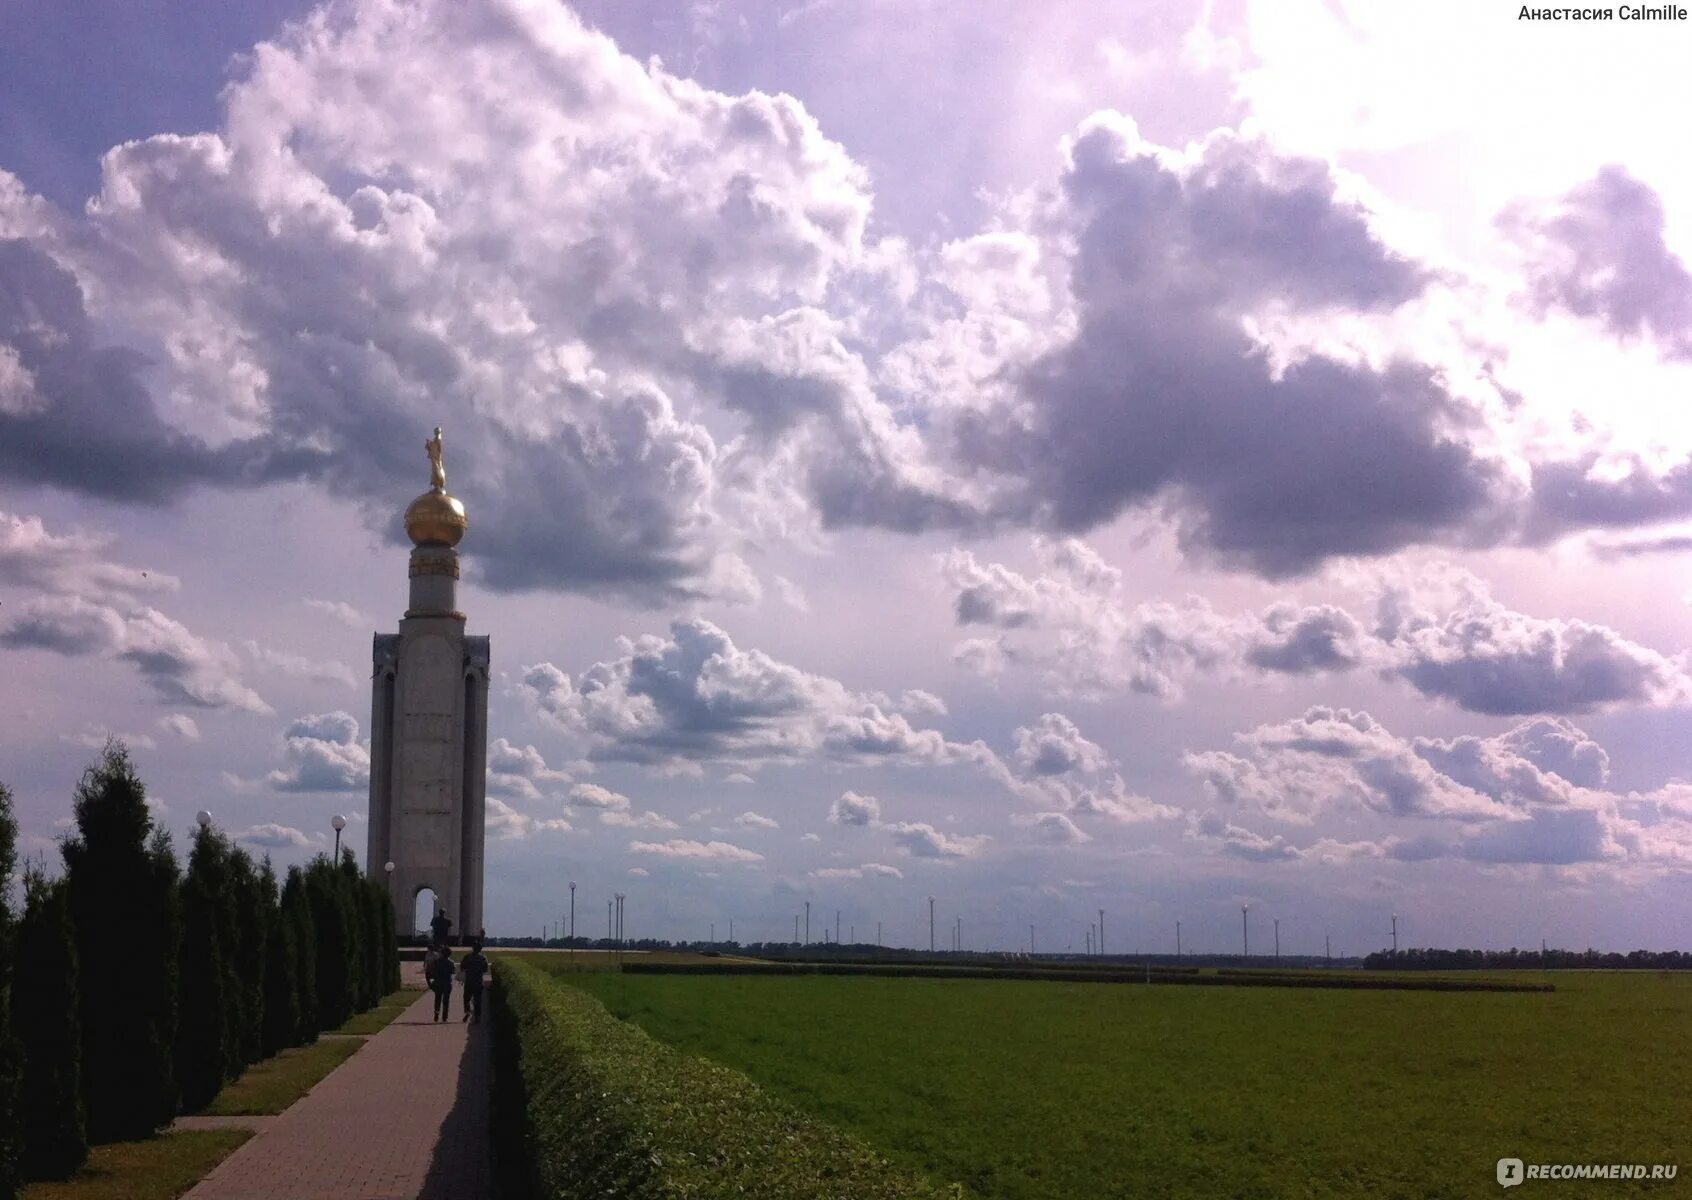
{"points": [[281, 1023], [44, 1018], [297, 915], [123, 908], [10, 1052], [251, 930], [203, 1033]]}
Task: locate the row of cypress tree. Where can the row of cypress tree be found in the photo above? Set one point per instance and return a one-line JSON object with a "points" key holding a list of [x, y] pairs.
{"points": [[131, 991]]}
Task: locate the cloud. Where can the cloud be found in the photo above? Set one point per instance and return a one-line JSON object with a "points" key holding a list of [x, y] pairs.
{"points": [[867, 870], [297, 666], [1071, 622], [510, 824], [1486, 658], [925, 841], [97, 738], [1599, 253], [696, 697], [519, 771], [1331, 758], [625, 819], [182, 725], [1161, 399], [74, 564], [82, 605], [1054, 827], [686, 848], [1054, 746], [615, 236], [276, 837], [324, 755], [341, 611], [752, 820], [591, 795], [852, 809]]}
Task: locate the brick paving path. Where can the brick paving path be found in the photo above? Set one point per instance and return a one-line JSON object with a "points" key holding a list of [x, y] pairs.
{"points": [[406, 1118]]}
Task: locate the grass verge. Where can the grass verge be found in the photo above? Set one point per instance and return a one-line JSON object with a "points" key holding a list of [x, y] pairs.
{"points": [[376, 1020], [270, 1086], [607, 1110], [160, 1168]]}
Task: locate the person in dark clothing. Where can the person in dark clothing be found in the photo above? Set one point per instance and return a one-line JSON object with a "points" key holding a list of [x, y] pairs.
{"points": [[440, 982], [440, 927], [472, 969]]}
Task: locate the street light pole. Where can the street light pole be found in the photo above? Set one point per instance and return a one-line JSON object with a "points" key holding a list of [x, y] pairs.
{"points": [[807, 922], [1245, 930], [339, 822], [1395, 933], [931, 924], [1177, 939]]}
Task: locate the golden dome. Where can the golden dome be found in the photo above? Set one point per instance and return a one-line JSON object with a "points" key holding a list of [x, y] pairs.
{"points": [[436, 519]]}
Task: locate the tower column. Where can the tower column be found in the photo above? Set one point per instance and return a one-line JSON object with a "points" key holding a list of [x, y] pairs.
{"points": [[428, 717]]}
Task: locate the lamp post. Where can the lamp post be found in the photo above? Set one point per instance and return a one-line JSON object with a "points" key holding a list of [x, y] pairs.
{"points": [[1395, 933], [1177, 939], [203, 819], [931, 924], [1245, 930], [339, 823]]}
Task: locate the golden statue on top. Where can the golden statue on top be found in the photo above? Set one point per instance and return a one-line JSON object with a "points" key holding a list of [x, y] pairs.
{"points": [[437, 472], [436, 518]]}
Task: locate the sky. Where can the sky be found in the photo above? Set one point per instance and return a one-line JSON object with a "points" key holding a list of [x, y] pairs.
{"points": [[1157, 457]]}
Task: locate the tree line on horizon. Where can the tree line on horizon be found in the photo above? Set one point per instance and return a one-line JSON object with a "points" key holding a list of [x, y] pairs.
{"points": [[132, 990], [1432, 959]]}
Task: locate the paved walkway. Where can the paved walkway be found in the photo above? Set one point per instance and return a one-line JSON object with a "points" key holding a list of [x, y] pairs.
{"points": [[406, 1118]]}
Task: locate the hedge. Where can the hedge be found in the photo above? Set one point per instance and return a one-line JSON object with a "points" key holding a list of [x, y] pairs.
{"points": [[590, 1105], [1177, 976]]}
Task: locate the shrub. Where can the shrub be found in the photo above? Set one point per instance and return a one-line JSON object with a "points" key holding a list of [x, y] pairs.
{"points": [[609, 1111], [44, 1018], [123, 910], [202, 1035]]}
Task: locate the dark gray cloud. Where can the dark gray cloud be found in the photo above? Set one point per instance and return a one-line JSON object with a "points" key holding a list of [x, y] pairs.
{"points": [[1600, 253], [1161, 397]]}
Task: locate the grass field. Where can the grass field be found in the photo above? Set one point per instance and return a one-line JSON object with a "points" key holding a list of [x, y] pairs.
{"points": [[1034, 1089]]}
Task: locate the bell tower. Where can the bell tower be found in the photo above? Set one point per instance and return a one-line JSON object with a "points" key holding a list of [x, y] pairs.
{"points": [[428, 727]]}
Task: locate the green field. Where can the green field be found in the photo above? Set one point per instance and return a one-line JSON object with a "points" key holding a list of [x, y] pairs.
{"points": [[1034, 1089]]}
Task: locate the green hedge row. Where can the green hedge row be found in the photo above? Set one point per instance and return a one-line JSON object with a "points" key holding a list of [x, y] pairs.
{"points": [[593, 1106], [1174, 975]]}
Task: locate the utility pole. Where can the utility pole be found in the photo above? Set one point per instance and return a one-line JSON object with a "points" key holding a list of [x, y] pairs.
{"points": [[957, 934], [713, 933], [1177, 939], [795, 929], [1395, 933], [1277, 937], [1245, 930], [931, 924], [837, 927], [1089, 939], [878, 935], [1328, 947], [807, 922], [1101, 933], [610, 927], [731, 929], [1031, 941]]}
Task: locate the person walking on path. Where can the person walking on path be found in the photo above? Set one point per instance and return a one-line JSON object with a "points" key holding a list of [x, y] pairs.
{"points": [[473, 967], [441, 983]]}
